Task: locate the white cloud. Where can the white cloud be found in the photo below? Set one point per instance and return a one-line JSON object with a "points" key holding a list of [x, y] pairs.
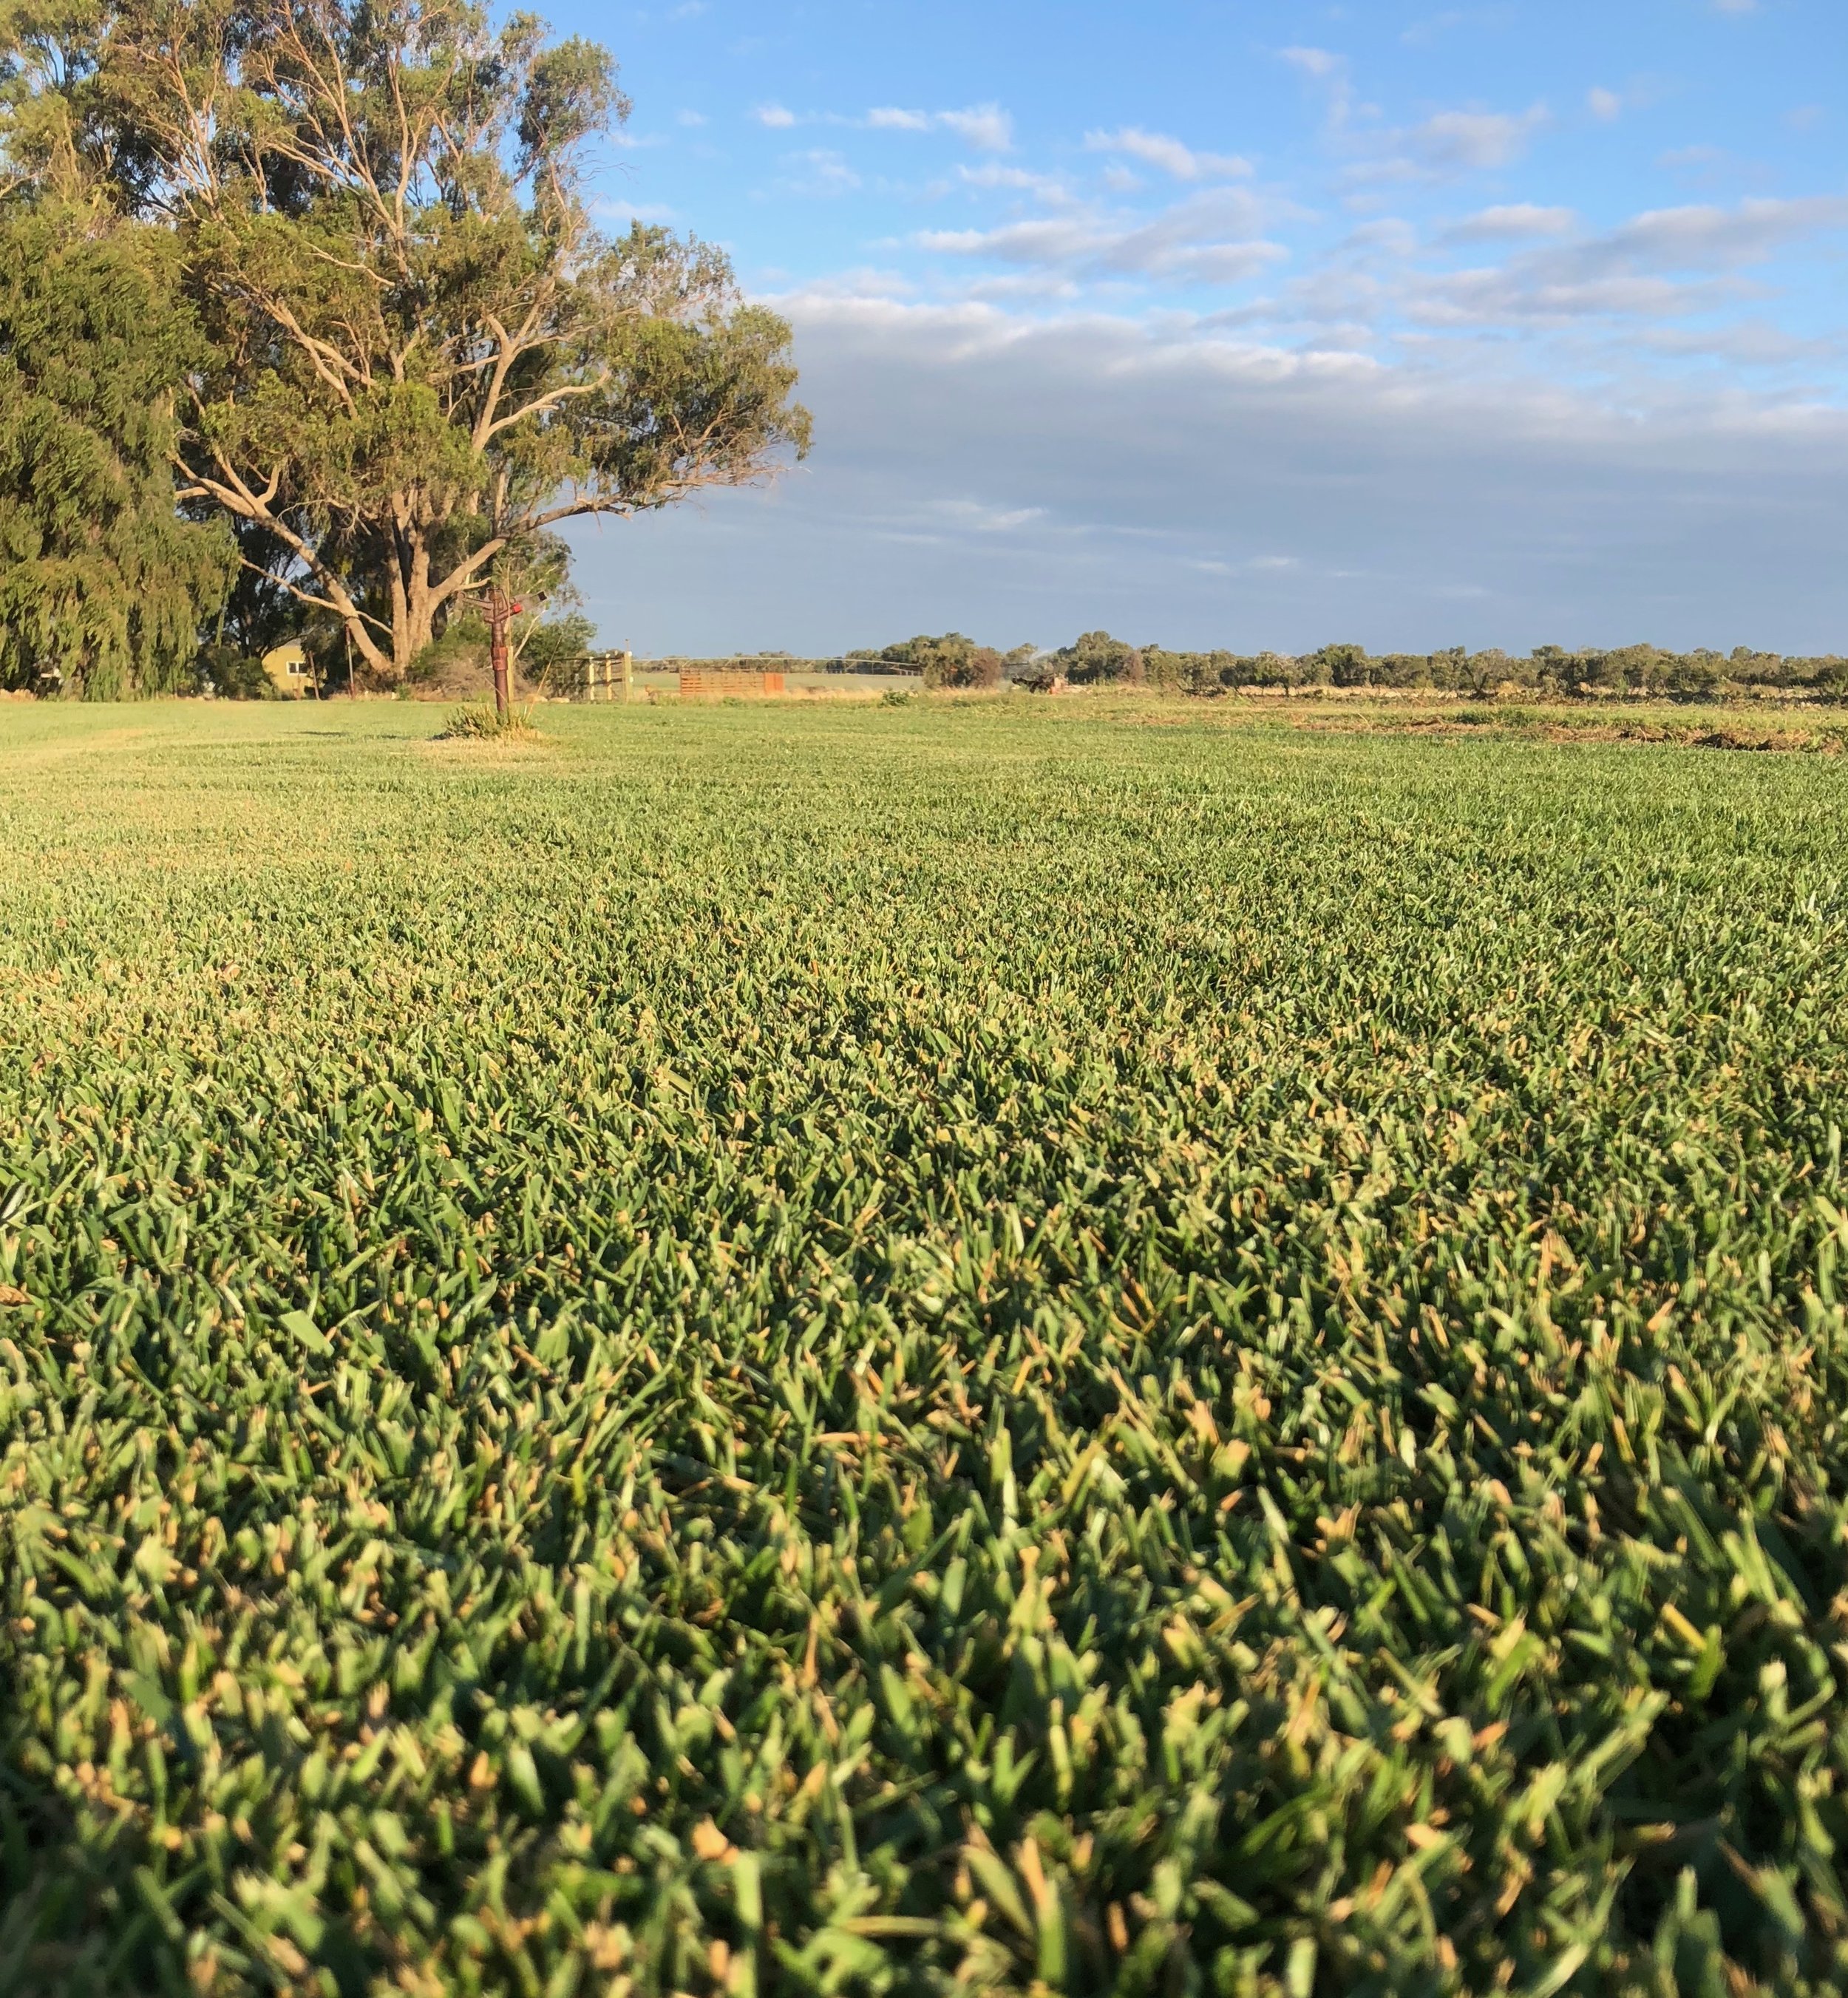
{"points": [[1207, 239], [1511, 295], [985, 127], [1389, 235], [866, 281], [1174, 158], [1033, 286], [1464, 141], [1703, 237], [616, 209], [1448, 145], [984, 519], [1046, 240], [1752, 343], [692, 118], [1323, 67], [1666, 265], [991, 174], [1515, 219], [1444, 408]]}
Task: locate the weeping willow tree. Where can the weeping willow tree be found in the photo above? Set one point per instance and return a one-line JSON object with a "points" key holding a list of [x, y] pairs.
{"points": [[102, 585]]}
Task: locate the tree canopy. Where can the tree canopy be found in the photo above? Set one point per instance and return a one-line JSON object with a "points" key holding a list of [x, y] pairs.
{"points": [[1097, 658], [419, 354], [102, 585]]}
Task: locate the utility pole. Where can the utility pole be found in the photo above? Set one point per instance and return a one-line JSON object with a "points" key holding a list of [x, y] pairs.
{"points": [[499, 609], [502, 609]]}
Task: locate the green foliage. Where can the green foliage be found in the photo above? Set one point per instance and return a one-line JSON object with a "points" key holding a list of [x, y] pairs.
{"points": [[102, 588], [419, 353], [951, 661], [423, 353], [1191, 673], [464, 643], [1098, 659], [262, 611], [233, 674], [1339, 665], [1552, 670], [546, 650], [553, 650], [969, 1350], [550, 638], [56, 140]]}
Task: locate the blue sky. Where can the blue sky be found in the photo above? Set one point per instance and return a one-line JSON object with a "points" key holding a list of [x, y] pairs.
{"points": [[1261, 324]]}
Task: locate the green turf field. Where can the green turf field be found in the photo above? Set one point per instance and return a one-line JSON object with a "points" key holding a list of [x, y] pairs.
{"points": [[1009, 1346]]}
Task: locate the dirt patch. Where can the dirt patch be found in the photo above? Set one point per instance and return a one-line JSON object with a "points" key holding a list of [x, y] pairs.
{"points": [[1815, 742], [476, 751], [1532, 728]]}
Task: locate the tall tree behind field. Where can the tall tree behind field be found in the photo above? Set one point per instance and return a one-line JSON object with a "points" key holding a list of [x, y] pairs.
{"points": [[102, 585], [422, 354]]}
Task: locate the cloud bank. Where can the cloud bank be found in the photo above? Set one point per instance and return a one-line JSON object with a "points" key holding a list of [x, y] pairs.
{"points": [[1417, 365], [1183, 485]]}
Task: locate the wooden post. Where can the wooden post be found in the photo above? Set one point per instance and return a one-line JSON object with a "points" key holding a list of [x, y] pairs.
{"points": [[628, 675]]}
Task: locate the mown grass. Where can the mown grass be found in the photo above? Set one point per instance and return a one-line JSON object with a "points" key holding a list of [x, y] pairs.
{"points": [[972, 1346]]}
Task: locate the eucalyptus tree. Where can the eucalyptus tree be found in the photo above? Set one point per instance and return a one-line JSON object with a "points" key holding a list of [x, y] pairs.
{"points": [[421, 353]]}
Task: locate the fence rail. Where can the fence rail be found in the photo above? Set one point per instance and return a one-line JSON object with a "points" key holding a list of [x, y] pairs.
{"points": [[712, 684], [611, 676], [608, 675]]}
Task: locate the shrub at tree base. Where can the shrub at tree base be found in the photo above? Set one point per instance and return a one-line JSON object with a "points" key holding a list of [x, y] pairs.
{"points": [[484, 723]]}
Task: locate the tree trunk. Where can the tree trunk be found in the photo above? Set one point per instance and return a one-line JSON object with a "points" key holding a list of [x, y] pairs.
{"points": [[413, 601], [413, 626]]}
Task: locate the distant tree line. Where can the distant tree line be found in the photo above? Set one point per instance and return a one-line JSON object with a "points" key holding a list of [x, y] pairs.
{"points": [[951, 660], [1550, 670], [1097, 659]]}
